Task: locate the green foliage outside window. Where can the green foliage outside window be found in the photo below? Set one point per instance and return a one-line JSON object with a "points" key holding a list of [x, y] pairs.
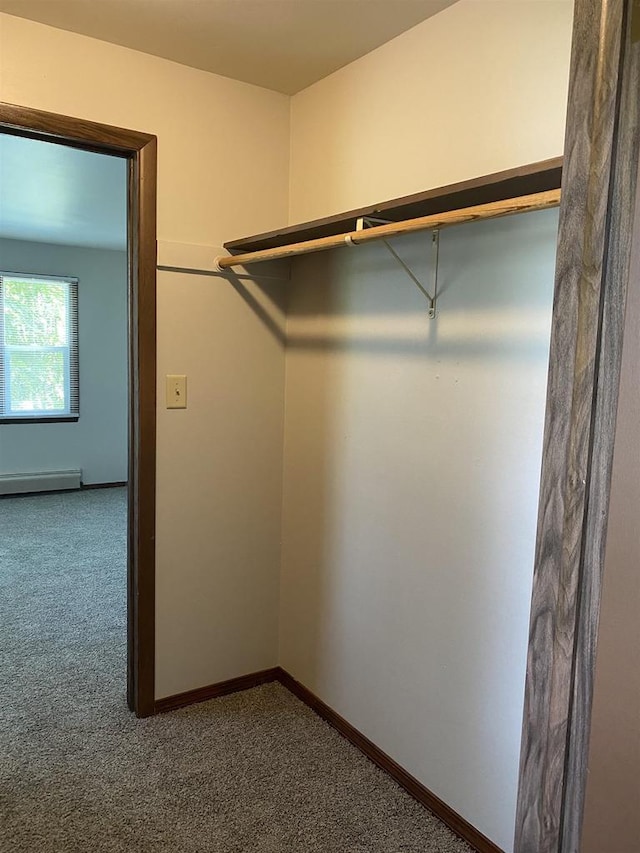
{"points": [[35, 313], [38, 332]]}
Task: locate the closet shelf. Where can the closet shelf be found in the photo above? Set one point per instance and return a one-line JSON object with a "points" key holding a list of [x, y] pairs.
{"points": [[500, 186], [360, 235]]}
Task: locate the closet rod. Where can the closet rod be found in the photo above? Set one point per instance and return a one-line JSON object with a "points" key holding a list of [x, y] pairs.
{"points": [[505, 207]]}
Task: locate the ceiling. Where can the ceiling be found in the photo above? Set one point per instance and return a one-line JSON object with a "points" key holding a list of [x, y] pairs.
{"points": [[55, 194], [284, 45]]}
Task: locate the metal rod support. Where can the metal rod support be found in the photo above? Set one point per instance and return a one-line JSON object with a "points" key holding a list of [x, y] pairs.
{"points": [[372, 221], [408, 271], [435, 260]]}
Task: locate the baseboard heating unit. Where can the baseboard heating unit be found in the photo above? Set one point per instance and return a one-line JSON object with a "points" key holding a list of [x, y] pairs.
{"points": [[39, 481]]}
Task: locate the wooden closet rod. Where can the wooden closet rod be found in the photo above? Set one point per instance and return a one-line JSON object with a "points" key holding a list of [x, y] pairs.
{"points": [[506, 207]]}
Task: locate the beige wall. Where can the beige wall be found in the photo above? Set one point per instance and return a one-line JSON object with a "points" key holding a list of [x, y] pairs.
{"points": [[412, 450], [222, 172], [412, 461], [612, 809], [478, 88]]}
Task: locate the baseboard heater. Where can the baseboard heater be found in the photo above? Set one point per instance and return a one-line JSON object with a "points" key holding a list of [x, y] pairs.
{"points": [[39, 481]]}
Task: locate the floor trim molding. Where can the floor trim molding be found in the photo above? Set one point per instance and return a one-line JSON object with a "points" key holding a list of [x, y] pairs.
{"points": [[213, 691], [116, 485], [457, 824]]}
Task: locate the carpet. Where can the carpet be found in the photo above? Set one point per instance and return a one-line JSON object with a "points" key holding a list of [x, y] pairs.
{"points": [[254, 771]]}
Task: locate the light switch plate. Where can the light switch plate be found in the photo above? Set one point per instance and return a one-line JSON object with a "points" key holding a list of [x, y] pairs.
{"points": [[176, 391]]}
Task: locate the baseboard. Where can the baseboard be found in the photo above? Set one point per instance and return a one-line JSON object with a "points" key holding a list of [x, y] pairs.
{"points": [[435, 805], [117, 485], [213, 691], [35, 482], [457, 824], [49, 484]]}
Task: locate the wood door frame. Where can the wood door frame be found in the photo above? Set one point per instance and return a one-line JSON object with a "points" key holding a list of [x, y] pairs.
{"points": [[140, 150], [592, 272]]}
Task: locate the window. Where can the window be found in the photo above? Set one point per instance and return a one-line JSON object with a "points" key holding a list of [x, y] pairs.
{"points": [[38, 348]]}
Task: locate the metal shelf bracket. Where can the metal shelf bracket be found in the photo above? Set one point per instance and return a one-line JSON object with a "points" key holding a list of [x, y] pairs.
{"points": [[371, 221]]}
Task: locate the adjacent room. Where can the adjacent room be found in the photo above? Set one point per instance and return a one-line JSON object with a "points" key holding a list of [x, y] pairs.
{"points": [[63, 432], [347, 439]]}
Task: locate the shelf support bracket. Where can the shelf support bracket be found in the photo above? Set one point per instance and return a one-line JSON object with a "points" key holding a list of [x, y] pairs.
{"points": [[371, 221]]}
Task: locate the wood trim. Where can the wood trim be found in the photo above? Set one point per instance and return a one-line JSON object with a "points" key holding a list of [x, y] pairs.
{"points": [[83, 488], [596, 223], [63, 419], [141, 151], [435, 805], [525, 180], [621, 227], [88, 486], [44, 494], [77, 132], [506, 207], [430, 801], [142, 425], [214, 691]]}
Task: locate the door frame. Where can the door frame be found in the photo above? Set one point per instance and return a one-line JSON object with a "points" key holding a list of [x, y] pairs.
{"points": [[596, 227], [140, 151]]}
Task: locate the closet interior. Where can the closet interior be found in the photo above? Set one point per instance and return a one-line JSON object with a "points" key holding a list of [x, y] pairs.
{"points": [[414, 337]]}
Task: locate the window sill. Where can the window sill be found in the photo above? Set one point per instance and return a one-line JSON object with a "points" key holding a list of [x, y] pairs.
{"points": [[39, 419]]}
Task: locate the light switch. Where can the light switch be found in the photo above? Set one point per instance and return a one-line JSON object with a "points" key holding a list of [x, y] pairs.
{"points": [[176, 391]]}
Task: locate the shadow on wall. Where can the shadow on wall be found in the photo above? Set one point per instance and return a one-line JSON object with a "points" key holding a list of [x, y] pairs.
{"points": [[267, 299], [411, 476], [383, 311]]}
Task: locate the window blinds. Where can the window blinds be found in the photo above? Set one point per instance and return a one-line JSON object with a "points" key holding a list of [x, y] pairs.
{"points": [[39, 358]]}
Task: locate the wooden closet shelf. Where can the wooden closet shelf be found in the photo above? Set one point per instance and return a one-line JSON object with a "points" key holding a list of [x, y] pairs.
{"points": [[434, 222], [526, 180]]}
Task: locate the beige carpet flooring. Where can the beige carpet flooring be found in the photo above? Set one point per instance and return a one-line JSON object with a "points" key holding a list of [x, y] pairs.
{"points": [[255, 771]]}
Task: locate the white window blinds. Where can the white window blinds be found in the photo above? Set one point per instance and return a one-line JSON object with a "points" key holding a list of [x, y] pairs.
{"points": [[39, 369]]}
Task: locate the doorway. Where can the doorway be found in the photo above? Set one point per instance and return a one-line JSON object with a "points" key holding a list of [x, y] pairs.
{"points": [[139, 153]]}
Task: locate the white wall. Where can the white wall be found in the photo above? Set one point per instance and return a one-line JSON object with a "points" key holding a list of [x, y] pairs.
{"points": [[412, 450], [222, 172], [412, 460], [97, 443], [478, 88]]}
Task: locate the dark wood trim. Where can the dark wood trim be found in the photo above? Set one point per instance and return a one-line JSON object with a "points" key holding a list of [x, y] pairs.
{"points": [[71, 419], [83, 488], [140, 149], [88, 486], [42, 493], [525, 180], [434, 804], [213, 691], [592, 271], [76, 132], [142, 426]]}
